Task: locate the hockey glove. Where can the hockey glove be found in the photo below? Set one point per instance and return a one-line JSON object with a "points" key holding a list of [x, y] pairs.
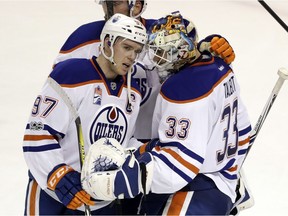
{"points": [[65, 182], [111, 184], [146, 147], [218, 46], [125, 182]]}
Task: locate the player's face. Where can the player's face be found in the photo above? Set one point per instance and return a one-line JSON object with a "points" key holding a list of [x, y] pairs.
{"points": [[119, 6], [122, 7], [125, 54]]}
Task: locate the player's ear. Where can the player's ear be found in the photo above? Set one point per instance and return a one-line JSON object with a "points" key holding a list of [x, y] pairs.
{"points": [[107, 45], [137, 8]]}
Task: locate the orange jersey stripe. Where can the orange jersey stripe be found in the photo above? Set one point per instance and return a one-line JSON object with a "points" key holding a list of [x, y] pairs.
{"points": [[81, 45], [32, 207], [177, 203], [38, 137], [180, 159], [243, 142], [80, 84], [232, 169]]}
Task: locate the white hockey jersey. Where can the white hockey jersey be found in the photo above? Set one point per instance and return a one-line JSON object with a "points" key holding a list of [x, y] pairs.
{"points": [[51, 138], [203, 127], [84, 42]]}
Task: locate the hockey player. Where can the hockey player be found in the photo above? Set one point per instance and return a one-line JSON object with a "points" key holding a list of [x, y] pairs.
{"points": [[84, 43], [200, 121], [107, 103]]}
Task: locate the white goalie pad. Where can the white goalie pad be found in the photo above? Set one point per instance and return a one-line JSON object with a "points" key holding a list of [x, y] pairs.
{"points": [[247, 200], [101, 163]]}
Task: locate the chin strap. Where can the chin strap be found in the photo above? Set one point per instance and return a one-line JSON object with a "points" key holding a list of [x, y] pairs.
{"points": [[129, 86]]}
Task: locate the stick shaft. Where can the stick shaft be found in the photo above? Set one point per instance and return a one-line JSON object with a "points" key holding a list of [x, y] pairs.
{"points": [[266, 108], [275, 91], [77, 119], [276, 17]]}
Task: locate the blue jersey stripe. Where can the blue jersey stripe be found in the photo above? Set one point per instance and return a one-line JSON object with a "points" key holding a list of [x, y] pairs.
{"points": [[41, 148], [183, 149], [245, 131], [172, 166]]}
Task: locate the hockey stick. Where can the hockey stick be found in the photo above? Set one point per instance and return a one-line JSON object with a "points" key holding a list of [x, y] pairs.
{"points": [[75, 115], [283, 75], [276, 17]]}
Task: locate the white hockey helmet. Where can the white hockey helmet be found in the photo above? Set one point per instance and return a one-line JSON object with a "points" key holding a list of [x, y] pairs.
{"points": [[172, 43], [131, 4], [120, 25]]}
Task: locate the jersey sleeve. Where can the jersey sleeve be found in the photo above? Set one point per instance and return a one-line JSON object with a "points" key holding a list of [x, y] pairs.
{"points": [[178, 158], [48, 123], [84, 42]]}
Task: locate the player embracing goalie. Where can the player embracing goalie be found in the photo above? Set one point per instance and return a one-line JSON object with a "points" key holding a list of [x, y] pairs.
{"points": [[200, 128]]}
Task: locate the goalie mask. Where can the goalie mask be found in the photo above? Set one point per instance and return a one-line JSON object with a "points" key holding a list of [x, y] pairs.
{"points": [[172, 43], [131, 5]]}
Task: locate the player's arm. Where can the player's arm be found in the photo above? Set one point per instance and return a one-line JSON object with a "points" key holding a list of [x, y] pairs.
{"points": [[43, 133], [219, 46], [48, 123], [181, 128]]}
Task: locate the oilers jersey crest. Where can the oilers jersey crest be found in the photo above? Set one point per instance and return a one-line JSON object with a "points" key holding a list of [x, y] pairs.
{"points": [[110, 121]]}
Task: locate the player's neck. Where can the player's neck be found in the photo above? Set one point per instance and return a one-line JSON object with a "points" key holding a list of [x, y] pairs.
{"points": [[106, 67]]}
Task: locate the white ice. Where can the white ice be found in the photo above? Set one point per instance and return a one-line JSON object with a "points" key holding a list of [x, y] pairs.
{"points": [[32, 32]]}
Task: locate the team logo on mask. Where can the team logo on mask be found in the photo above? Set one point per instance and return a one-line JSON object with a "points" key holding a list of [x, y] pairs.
{"points": [[110, 122]]}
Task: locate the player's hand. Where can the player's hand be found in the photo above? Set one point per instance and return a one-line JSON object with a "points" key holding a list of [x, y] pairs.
{"points": [[146, 147], [65, 182], [219, 46]]}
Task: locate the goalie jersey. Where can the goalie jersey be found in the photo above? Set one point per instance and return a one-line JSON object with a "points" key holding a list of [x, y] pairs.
{"points": [[84, 42], [51, 138], [203, 127]]}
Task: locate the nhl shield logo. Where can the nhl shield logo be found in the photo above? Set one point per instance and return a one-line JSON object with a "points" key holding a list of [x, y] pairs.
{"points": [[97, 96]]}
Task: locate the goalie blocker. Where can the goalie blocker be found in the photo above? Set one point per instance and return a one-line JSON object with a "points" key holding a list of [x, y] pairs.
{"points": [[110, 172]]}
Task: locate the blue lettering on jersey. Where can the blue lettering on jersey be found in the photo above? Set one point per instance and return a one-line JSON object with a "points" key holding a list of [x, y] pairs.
{"points": [[139, 74], [229, 87], [110, 122]]}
